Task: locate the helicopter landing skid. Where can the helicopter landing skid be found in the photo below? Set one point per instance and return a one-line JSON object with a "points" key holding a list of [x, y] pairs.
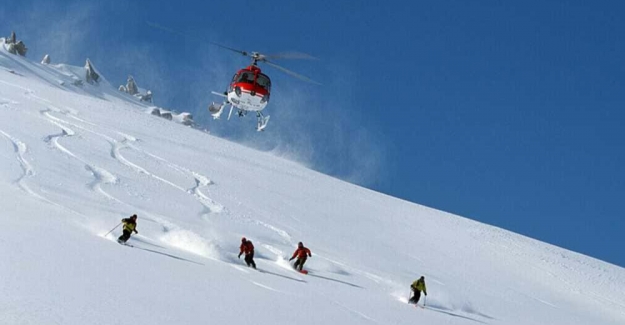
{"points": [[217, 109], [262, 121]]}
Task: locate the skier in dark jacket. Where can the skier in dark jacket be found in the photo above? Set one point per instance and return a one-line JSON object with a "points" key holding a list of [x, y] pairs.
{"points": [[302, 253], [247, 248], [130, 225], [417, 287]]}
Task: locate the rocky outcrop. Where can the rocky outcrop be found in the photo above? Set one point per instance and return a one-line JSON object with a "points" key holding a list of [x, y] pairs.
{"points": [[14, 46], [91, 76], [131, 86], [132, 89], [182, 118], [147, 97]]}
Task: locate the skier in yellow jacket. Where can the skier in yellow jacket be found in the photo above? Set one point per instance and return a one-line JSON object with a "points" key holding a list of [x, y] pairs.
{"points": [[417, 287], [130, 225]]}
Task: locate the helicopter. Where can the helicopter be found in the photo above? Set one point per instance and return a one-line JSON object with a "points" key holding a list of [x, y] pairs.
{"points": [[250, 89]]}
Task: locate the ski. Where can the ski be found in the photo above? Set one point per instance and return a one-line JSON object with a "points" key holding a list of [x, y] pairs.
{"points": [[125, 244]]}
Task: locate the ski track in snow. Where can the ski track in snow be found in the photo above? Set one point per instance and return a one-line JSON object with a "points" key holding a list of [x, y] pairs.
{"points": [[118, 146], [5, 102], [266, 287], [201, 181], [26, 91], [20, 150], [116, 153], [245, 219], [101, 175], [274, 250], [285, 235], [204, 182], [13, 72], [50, 105]]}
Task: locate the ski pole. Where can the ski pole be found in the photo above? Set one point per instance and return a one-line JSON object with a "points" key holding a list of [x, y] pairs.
{"points": [[112, 229], [424, 299]]}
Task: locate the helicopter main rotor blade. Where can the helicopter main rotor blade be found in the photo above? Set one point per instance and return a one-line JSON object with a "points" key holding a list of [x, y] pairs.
{"points": [[291, 73], [291, 55], [254, 55], [157, 26], [244, 53]]}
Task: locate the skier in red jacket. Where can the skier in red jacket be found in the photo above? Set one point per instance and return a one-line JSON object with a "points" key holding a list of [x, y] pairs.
{"points": [[302, 253], [247, 248]]}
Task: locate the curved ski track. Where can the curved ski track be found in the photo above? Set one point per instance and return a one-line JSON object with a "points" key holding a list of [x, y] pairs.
{"points": [[101, 175], [201, 181], [117, 146], [20, 150]]}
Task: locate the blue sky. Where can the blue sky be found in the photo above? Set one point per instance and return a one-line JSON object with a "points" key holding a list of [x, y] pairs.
{"points": [[510, 113]]}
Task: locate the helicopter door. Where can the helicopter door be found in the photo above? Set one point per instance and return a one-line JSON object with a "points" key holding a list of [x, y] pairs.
{"points": [[263, 81]]}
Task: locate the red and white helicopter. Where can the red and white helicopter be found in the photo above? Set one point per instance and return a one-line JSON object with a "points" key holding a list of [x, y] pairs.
{"points": [[250, 89]]}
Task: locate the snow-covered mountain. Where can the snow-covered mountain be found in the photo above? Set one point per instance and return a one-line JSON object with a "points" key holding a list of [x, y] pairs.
{"points": [[75, 158]]}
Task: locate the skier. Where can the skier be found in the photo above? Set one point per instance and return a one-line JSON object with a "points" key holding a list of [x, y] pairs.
{"points": [[130, 225], [302, 254], [248, 248], [417, 287]]}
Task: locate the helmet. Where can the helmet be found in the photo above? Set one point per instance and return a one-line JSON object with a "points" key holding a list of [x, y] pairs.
{"points": [[243, 240], [134, 216], [300, 244]]}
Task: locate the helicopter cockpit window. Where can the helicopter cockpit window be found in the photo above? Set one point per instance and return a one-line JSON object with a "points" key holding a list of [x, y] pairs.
{"points": [[263, 81], [246, 77]]}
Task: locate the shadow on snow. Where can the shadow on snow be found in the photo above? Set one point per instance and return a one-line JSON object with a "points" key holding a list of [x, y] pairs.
{"points": [[447, 312], [335, 280], [168, 255], [282, 276]]}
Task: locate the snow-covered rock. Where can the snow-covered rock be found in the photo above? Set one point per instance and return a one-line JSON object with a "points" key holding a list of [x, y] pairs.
{"points": [[182, 118], [91, 75], [166, 115], [15, 46], [147, 97], [132, 89], [131, 86]]}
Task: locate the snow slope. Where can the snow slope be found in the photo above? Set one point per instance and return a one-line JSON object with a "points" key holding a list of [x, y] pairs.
{"points": [[76, 159]]}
